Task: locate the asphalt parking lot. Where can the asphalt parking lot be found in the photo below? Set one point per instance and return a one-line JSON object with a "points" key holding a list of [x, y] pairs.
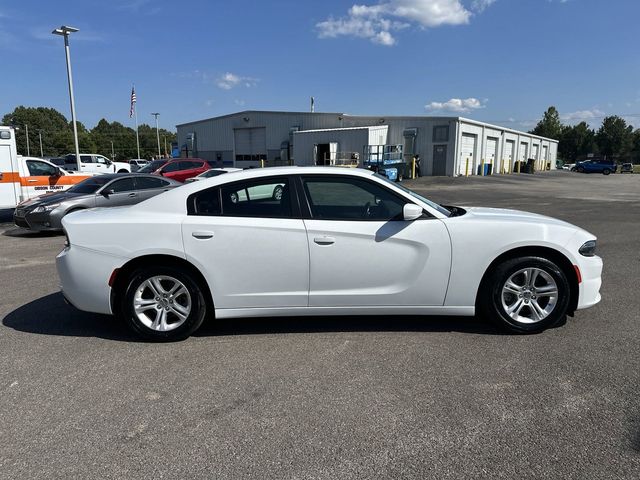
{"points": [[333, 398]]}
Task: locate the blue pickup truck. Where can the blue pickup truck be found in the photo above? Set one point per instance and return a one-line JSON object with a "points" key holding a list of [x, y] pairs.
{"points": [[596, 166]]}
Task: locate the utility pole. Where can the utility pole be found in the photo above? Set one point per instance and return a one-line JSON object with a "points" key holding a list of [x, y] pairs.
{"points": [[157, 133], [166, 152], [65, 31], [113, 155], [40, 137], [26, 131]]}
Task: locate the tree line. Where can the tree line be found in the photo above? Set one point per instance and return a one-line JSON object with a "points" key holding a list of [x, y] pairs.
{"points": [[614, 138], [111, 139]]}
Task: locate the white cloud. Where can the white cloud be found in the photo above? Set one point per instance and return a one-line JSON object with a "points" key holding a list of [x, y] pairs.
{"points": [[582, 115], [459, 105], [231, 80], [377, 22], [481, 5]]}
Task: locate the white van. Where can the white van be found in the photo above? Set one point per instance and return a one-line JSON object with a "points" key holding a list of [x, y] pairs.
{"points": [[22, 178]]}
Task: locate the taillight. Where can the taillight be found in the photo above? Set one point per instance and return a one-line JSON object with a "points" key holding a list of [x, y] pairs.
{"points": [[67, 243]]}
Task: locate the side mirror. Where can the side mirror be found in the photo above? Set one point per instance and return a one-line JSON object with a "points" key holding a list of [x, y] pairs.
{"points": [[411, 212], [106, 193], [58, 172]]}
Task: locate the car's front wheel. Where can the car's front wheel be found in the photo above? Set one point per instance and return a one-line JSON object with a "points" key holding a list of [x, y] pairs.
{"points": [[606, 171], [163, 304], [525, 295]]}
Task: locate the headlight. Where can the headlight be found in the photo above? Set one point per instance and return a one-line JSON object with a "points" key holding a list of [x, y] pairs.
{"points": [[588, 249], [45, 208]]}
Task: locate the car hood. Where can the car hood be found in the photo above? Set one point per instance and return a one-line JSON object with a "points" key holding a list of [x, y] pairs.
{"points": [[49, 198], [503, 214]]}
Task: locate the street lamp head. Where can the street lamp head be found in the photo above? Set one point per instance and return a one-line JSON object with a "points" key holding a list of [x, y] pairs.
{"points": [[155, 114], [65, 30]]}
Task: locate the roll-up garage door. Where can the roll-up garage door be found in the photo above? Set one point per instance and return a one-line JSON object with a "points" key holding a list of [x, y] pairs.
{"points": [[467, 149], [534, 151], [545, 156], [250, 144], [492, 150], [508, 154], [524, 150]]}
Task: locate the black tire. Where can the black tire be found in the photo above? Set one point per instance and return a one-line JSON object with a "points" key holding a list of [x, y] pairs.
{"points": [[193, 320], [606, 171], [580, 170], [123, 171], [490, 301]]}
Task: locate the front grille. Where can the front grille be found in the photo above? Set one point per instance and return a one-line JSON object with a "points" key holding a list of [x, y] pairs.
{"points": [[21, 222]]}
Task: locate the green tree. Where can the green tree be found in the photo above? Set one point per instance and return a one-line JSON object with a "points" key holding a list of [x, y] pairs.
{"points": [[576, 141], [550, 125], [50, 123], [615, 137], [635, 153]]}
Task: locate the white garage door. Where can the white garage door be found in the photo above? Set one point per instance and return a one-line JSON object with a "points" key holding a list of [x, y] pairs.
{"points": [[509, 147], [545, 156], [467, 149], [524, 150], [250, 144], [492, 150], [534, 151]]}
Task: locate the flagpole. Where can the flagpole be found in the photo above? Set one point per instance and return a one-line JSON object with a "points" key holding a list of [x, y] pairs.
{"points": [[135, 113]]}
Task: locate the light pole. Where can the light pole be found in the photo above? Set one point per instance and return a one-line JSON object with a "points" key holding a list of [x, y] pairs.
{"points": [[64, 31], [157, 133]]}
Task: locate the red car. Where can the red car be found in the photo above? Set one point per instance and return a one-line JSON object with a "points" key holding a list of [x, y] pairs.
{"points": [[182, 168]]}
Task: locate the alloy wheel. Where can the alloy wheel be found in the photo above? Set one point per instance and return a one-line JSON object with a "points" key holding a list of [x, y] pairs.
{"points": [[529, 295], [162, 303]]}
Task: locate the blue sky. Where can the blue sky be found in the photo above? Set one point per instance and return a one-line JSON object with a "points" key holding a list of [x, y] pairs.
{"points": [[503, 61]]}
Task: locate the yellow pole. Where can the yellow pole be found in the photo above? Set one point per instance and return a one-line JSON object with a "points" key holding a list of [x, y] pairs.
{"points": [[482, 167], [466, 168], [413, 168], [261, 163]]}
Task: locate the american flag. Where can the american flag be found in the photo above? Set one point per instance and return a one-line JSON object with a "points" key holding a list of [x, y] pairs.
{"points": [[133, 102]]}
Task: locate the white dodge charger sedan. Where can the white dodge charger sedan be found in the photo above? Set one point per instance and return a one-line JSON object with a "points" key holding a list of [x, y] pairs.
{"points": [[321, 241]]}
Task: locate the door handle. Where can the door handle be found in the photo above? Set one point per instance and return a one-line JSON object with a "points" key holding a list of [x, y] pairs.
{"points": [[32, 180], [202, 235], [133, 194], [324, 240]]}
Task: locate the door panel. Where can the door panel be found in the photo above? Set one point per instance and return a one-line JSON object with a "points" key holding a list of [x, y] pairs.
{"points": [[376, 263], [250, 262]]}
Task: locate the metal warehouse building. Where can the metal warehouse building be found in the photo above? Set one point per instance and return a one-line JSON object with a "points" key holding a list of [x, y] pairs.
{"points": [[446, 145]]}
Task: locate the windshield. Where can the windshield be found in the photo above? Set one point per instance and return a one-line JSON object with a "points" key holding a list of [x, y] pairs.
{"points": [[152, 167], [433, 205], [90, 185]]}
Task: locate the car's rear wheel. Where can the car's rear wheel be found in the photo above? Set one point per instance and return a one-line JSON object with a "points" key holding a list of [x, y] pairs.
{"points": [[580, 169], [163, 304], [525, 295], [606, 171]]}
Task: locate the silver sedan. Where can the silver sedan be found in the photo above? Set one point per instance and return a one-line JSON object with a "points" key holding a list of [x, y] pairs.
{"points": [[110, 190]]}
